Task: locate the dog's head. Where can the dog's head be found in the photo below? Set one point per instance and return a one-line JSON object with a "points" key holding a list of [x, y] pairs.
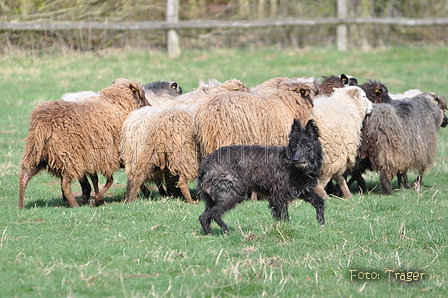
{"points": [[304, 149]]}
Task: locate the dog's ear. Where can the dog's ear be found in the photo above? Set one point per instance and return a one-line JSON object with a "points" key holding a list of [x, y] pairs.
{"points": [[312, 128], [296, 126]]}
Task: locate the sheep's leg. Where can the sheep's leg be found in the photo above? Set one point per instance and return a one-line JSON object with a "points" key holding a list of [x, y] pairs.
{"points": [[158, 180], [25, 176], [343, 185], [132, 187], [319, 204], [99, 198], [86, 189], [320, 188], [356, 176], [385, 183], [406, 180], [145, 190], [171, 187], [418, 182], [182, 183], [253, 196], [94, 179], [66, 185], [329, 188]]}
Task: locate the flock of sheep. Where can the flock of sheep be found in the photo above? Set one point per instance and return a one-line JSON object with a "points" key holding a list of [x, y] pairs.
{"points": [[160, 135]]}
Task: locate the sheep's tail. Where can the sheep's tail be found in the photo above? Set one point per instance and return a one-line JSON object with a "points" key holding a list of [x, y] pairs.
{"points": [[34, 159], [34, 153]]}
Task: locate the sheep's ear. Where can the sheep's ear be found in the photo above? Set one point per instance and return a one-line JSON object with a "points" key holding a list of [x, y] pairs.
{"points": [[354, 92], [344, 79], [311, 127], [378, 91]]}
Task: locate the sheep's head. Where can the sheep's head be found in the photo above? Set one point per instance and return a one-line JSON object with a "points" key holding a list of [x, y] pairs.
{"points": [[234, 85], [330, 83], [358, 96], [123, 90], [441, 103], [161, 91], [307, 91], [348, 80], [215, 86], [376, 92]]}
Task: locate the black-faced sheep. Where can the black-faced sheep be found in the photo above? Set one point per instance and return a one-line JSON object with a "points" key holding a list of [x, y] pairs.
{"points": [[376, 92], [339, 118], [160, 93], [261, 116], [75, 139], [158, 142], [402, 136], [327, 86], [285, 173]]}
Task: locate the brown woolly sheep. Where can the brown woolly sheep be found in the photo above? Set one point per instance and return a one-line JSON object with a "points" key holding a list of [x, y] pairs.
{"points": [[262, 116], [157, 143], [339, 118], [402, 136], [75, 139]]}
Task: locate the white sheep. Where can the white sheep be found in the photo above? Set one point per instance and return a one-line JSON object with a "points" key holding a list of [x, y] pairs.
{"points": [[339, 118]]}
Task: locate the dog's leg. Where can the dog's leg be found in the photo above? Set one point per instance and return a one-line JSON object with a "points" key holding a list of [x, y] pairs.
{"points": [[205, 219], [279, 207], [318, 203]]}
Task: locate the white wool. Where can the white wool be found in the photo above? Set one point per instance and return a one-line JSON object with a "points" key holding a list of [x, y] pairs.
{"points": [[79, 96], [407, 94]]}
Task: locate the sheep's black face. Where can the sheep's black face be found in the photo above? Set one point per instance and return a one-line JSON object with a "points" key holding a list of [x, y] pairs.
{"points": [[304, 150], [445, 121], [376, 92], [162, 87]]}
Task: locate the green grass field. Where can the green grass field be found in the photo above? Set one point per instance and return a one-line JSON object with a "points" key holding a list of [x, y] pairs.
{"points": [[156, 248]]}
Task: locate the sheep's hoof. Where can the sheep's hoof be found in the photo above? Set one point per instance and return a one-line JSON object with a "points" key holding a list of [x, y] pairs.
{"points": [[94, 203]]}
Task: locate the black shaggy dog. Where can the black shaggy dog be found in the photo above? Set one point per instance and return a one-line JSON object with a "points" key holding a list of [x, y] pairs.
{"points": [[228, 175]]}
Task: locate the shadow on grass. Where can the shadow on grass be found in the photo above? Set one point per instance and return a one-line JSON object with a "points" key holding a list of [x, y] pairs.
{"points": [[108, 199]]}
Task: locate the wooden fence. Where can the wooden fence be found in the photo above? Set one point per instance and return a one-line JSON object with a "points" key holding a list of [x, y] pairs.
{"points": [[173, 23]]}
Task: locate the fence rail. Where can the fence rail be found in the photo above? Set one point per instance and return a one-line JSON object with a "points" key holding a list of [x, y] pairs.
{"points": [[204, 24]]}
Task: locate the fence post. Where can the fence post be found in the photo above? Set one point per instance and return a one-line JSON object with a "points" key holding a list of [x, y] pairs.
{"points": [[173, 41], [341, 30]]}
